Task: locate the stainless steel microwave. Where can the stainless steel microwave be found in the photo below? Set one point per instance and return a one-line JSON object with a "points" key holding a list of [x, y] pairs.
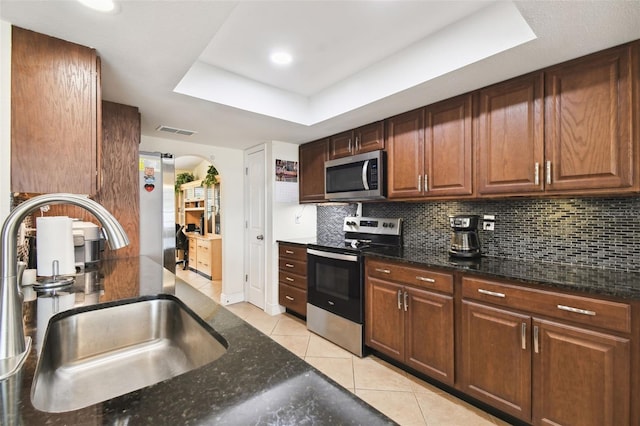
{"points": [[355, 178]]}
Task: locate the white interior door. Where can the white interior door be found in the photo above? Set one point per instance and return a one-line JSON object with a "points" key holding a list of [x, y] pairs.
{"points": [[255, 226]]}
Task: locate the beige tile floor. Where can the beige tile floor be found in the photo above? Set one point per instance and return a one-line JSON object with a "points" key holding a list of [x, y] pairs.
{"points": [[401, 396]]}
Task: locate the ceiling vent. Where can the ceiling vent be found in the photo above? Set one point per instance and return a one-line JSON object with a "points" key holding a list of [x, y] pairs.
{"points": [[175, 130]]}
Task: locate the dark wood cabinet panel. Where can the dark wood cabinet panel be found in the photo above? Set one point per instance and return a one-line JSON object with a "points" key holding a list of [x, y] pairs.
{"points": [[363, 139], [405, 154], [497, 358], [54, 115], [311, 159], [581, 377], [292, 276], [510, 142], [428, 333], [448, 149], [589, 122], [384, 322]]}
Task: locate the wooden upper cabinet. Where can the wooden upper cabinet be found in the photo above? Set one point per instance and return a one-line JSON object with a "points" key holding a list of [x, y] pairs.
{"points": [[363, 139], [448, 149], [54, 115], [589, 116], [311, 159], [405, 154], [430, 152], [510, 138]]}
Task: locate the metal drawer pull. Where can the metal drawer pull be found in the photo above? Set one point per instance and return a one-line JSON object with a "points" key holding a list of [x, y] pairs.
{"points": [[289, 279], [576, 310], [491, 293], [384, 271], [523, 336], [288, 265], [288, 251], [406, 304], [289, 298], [536, 344], [536, 174], [548, 172], [399, 299], [429, 280]]}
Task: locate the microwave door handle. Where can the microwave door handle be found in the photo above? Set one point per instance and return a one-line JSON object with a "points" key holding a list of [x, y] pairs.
{"points": [[365, 175]]}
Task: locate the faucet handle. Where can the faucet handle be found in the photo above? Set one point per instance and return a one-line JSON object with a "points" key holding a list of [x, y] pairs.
{"points": [[21, 267]]}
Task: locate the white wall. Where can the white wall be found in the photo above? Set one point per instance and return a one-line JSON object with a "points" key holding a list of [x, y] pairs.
{"points": [[5, 119], [229, 163], [284, 225]]}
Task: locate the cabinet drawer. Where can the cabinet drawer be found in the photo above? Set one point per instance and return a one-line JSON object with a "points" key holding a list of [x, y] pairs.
{"points": [[293, 298], [293, 279], [193, 245], [293, 266], [292, 251], [418, 277], [585, 310], [204, 266]]}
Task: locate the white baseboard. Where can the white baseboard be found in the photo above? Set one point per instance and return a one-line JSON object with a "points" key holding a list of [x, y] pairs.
{"points": [[231, 298]]}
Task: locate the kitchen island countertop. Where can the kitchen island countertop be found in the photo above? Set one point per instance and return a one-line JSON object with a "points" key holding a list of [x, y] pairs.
{"points": [[256, 381]]}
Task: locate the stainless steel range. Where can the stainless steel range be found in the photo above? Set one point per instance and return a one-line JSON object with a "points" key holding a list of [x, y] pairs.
{"points": [[335, 276]]}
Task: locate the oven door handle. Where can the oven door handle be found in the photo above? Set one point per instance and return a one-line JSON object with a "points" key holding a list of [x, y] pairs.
{"points": [[331, 255]]}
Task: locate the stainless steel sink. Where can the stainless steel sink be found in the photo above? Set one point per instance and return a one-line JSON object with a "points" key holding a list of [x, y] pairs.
{"points": [[94, 354]]}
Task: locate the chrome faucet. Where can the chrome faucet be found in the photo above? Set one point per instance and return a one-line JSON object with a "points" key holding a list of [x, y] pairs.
{"points": [[14, 348]]}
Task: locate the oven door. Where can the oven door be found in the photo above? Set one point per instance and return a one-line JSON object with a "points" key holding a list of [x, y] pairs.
{"points": [[335, 283]]}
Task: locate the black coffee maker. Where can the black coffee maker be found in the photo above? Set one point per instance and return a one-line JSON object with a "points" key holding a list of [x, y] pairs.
{"points": [[464, 240]]}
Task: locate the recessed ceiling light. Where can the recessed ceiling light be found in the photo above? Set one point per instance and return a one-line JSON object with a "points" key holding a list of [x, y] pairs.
{"points": [[100, 5], [281, 58]]}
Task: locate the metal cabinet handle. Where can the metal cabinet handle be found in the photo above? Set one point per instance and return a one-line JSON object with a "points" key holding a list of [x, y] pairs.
{"points": [[288, 265], [349, 145], [384, 271], [491, 293], [288, 251], [289, 279], [429, 280], [260, 237], [536, 343], [576, 310], [419, 183], [426, 183], [399, 299], [523, 336], [357, 143], [289, 298], [406, 304], [548, 172], [536, 174]]}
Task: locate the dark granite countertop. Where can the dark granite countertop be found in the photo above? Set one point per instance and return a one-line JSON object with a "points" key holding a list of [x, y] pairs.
{"points": [[256, 381], [594, 281]]}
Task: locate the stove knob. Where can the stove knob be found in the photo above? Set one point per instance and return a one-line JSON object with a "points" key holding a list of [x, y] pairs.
{"points": [[385, 224], [351, 223], [391, 225]]}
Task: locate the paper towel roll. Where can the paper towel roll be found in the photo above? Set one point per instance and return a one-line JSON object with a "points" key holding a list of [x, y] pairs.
{"points": [[54, 241]]}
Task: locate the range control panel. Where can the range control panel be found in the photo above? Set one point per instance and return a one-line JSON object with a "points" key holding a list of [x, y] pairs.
{"points": [[373, 225]]}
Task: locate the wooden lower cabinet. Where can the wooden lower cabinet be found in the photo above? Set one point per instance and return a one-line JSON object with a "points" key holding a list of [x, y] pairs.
{"points": [[581, 377], [292, 277], [497, 358], [544, 372], [205, 255], [410, 324]]}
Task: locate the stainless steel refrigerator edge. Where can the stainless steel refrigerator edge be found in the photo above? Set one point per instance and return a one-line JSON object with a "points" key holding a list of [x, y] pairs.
{"points": [[157, 208]]}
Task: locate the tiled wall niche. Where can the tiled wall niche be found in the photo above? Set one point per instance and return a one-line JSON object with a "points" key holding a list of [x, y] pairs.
{"points": [[595, 232]]}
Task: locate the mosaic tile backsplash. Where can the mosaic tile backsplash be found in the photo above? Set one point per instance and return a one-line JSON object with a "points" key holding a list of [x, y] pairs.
{"points": [[594, 232]]}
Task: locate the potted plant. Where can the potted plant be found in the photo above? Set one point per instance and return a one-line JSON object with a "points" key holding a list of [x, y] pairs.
{"points": [[183, 178], [212, 176]]}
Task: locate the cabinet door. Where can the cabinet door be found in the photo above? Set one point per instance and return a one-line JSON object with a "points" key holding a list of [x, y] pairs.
{"points": [[54, 115], [510, 143], [496, 358], [429, 333], [581, 377], [405, 154], [342, 145], [370, 137], [448, 166], [589, 142], [311, 164], [384, 317]]}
